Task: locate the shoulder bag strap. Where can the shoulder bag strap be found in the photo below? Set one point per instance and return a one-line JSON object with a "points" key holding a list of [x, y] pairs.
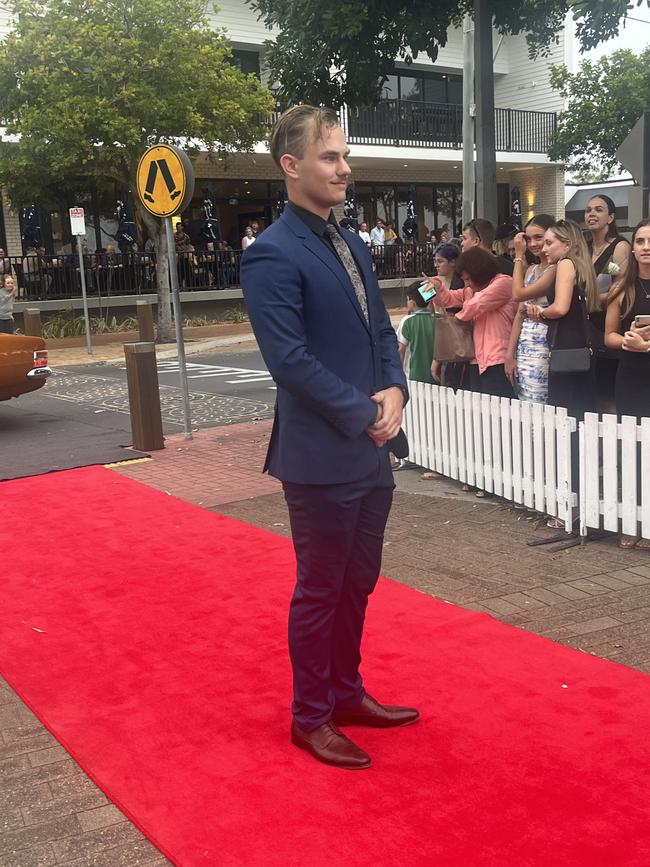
{"points": [[582, 299], [605, 256]]}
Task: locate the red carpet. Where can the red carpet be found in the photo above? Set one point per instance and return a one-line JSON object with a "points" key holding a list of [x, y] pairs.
{"points": [[149, 636]]}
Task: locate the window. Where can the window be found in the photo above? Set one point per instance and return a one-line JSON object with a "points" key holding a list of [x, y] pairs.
{"points": [[448, 206], [247, 61], [402, 208], [434, 87], [385, 204], [435, 205], [435, 90], [390, 89], [410, 87], [364, 198], [455, 90]]}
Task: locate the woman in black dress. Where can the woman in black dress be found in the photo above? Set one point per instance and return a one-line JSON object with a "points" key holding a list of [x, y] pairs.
{"points": [[609, 250], [630, 298], [572, 299], [609, 253]]}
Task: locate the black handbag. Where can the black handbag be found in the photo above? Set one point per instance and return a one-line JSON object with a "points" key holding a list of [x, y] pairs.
{"points": [[572, 360]]}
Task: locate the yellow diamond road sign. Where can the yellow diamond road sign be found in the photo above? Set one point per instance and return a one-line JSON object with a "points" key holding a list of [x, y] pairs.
{"points": [[165, 180]]}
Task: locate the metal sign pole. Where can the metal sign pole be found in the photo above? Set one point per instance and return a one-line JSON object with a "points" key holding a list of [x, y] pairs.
{"points": [[180, 345], [82, 275]]}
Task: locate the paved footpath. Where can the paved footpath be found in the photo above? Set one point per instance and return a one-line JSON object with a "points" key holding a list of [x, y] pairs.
{"points": [[439, 541]]}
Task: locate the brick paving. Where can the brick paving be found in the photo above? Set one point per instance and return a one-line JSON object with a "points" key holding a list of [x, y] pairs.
{"points": [[439, 541], [216, 466]]}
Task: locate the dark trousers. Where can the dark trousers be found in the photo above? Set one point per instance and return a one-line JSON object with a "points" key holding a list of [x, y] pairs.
{"points": [[6, 326], [338, 534], [493, 380]]}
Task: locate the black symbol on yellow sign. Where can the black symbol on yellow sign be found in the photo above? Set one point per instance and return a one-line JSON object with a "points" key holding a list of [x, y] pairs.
{"points": [[165, 180], [167, 177]]}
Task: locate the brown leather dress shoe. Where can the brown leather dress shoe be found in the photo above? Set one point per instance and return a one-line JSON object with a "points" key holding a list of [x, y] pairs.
{"points": [[329, 745], [371, 713]]}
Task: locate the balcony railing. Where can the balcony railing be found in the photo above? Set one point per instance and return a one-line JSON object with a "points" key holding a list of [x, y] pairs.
{"points": [[402, 123]]}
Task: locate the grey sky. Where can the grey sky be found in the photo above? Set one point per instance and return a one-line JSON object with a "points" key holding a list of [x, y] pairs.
{"points": [[635, 35]]}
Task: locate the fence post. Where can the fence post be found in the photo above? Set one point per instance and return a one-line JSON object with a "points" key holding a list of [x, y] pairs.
{"points": [[144, 396], [32, 322], [144, 312]]}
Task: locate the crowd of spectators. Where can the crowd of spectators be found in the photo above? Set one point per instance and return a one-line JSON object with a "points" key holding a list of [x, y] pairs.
{"points": [[559, 314]]}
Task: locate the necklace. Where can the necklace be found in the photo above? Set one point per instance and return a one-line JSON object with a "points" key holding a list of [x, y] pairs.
{"points": [[645, 287], [595, 253]]}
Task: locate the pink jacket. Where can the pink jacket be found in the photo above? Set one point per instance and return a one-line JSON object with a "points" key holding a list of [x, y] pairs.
{"points": [[492, 311]]}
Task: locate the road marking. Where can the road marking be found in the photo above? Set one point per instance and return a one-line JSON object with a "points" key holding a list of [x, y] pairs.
{"points": [[209, 371], [257, 379]]}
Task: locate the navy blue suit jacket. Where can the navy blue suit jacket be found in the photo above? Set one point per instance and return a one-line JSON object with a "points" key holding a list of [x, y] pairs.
{"points": [[324, 358]]}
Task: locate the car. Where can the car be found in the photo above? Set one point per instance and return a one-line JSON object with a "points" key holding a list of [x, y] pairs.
{"points": [[23, 365]]}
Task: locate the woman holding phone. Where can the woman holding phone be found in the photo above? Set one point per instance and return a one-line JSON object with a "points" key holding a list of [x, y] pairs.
{"points": [[486, 301], [627, 328]]}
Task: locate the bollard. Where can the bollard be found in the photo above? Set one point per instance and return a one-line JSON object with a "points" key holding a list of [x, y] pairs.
{"points": [[144, 312], [144, 396], [32, 322]]}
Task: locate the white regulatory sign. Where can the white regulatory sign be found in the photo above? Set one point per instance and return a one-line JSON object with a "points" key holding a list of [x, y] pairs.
{"points": [[77, 221]]}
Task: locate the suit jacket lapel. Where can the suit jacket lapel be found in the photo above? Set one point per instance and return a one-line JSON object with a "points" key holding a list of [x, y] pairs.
{"points": [[333, 262]]}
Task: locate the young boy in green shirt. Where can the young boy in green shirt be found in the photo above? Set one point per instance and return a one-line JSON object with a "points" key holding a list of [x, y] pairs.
{"points": [[415, 337]]}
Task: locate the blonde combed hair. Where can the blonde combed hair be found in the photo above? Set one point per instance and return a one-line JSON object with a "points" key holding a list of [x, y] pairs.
{"points": [[578, 253], [297, 127]]}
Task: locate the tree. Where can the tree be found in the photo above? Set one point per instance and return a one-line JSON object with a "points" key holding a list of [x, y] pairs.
{"points": [[594, 175], [87, 85], [343, 50], [605, 99]]}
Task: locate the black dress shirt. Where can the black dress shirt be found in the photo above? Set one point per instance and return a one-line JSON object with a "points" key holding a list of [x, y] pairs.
{"points": [[318, 226]]}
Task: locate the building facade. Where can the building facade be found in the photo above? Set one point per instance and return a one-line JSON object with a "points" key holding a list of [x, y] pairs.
{"points": [[411, 140], [413, 137]]}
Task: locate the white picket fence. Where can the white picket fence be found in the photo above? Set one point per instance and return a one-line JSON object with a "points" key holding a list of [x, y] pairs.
{"points": [[522, 452], [517, 450], [615, 474]]}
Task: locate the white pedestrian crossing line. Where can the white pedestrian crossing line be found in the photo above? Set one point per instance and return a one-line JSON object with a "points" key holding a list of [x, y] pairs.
{"points": [[210, 371]]}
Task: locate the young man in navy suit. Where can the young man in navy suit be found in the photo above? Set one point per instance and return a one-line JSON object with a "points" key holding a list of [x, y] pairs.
{"points": [[322, 327]]}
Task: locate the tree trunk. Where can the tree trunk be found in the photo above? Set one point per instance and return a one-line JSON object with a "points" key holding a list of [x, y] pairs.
{"points": [[157, 234]]}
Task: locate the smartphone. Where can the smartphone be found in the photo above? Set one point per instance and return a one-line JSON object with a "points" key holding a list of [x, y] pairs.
{"points": [[639, 321], [428, 292]]}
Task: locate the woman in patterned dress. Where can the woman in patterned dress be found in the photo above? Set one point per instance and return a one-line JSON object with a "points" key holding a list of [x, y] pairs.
{"points": [[527, 359]]}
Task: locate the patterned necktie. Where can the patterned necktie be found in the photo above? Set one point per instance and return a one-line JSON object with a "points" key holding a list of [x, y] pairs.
{"points": [[347, 260]]}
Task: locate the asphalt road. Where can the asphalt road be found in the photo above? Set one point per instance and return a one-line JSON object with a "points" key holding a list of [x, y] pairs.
{"points": [[81, 415], [239, 374], [225, 388]]}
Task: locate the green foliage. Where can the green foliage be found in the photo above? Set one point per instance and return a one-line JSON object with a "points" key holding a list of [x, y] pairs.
{"points": [[593, 175], [197, 321], [605, 97], [71, 324], [341, 51], [236, 314], [89, 84]]}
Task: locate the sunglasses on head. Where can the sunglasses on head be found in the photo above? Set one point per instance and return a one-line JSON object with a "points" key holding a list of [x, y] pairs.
{"points": [[474, 228]]}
